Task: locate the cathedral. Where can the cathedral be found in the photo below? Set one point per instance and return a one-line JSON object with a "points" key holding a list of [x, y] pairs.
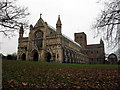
{"points": [[46, 43]]}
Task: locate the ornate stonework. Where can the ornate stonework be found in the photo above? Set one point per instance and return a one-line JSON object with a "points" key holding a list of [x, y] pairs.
{"points": [[46, 43]]}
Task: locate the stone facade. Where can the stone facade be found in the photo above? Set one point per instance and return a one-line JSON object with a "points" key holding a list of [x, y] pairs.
{"points": [[95, 52], [46, 43]]}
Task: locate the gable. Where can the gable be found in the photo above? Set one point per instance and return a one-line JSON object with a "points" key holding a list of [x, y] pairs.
{"points": [[40, 23]]}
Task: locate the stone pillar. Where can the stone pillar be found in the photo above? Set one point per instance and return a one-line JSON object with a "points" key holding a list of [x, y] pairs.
{"points": [[27, 56], [60, 54], [18, 56], [39, 56]]}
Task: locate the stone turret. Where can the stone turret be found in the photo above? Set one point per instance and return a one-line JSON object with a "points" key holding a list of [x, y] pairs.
{"points": [[21, 32], [102, 45], [101, 42], [30, 33], [31, 27], [58, 25]]}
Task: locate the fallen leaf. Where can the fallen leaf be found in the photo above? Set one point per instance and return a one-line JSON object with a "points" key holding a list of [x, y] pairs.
{"points": [[24, 84]]}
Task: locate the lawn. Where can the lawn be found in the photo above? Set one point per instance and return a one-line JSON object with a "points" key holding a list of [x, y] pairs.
{"points": [[31, 74]]}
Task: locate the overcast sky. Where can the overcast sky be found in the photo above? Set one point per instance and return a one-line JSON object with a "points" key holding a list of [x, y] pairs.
{"points": [[76, 16]]}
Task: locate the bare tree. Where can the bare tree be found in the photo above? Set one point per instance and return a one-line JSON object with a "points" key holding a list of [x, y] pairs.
{"points": [[108, 23], [12, 17]]}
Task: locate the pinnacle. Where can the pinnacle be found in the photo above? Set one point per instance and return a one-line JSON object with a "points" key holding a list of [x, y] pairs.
{"points": [[58, 21]]}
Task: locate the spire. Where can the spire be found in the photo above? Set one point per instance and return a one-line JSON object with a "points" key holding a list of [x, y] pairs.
{"points": [[58, 26], [58, 21]]}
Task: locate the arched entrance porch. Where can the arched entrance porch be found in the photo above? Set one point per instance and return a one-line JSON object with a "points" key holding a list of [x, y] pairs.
{"points": [[23, 57], [48, 57], [35, 55]]}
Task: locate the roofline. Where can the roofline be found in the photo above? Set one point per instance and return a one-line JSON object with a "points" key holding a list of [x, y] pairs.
{"points": [[80, 33], [92, 44]]}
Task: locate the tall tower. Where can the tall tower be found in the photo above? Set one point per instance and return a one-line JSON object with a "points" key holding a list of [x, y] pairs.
{"points": [[58, 26], [80, 38]]}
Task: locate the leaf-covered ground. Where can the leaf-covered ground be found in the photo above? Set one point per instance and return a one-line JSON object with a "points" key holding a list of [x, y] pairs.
{"points": [[30, 74]]}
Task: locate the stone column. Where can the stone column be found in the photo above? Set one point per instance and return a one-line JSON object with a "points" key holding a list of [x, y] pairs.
{"points": [[27, 56]]}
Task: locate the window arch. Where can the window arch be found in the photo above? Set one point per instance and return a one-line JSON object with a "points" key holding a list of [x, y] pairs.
{"points": [[38, 39]]}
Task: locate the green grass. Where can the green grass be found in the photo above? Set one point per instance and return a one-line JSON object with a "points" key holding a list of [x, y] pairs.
{"points": [[64, 65], [29, 74]]}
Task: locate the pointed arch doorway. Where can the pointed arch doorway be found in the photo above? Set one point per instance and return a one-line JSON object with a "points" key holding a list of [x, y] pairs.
{"points": [[23, 57], [35, 55]]}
